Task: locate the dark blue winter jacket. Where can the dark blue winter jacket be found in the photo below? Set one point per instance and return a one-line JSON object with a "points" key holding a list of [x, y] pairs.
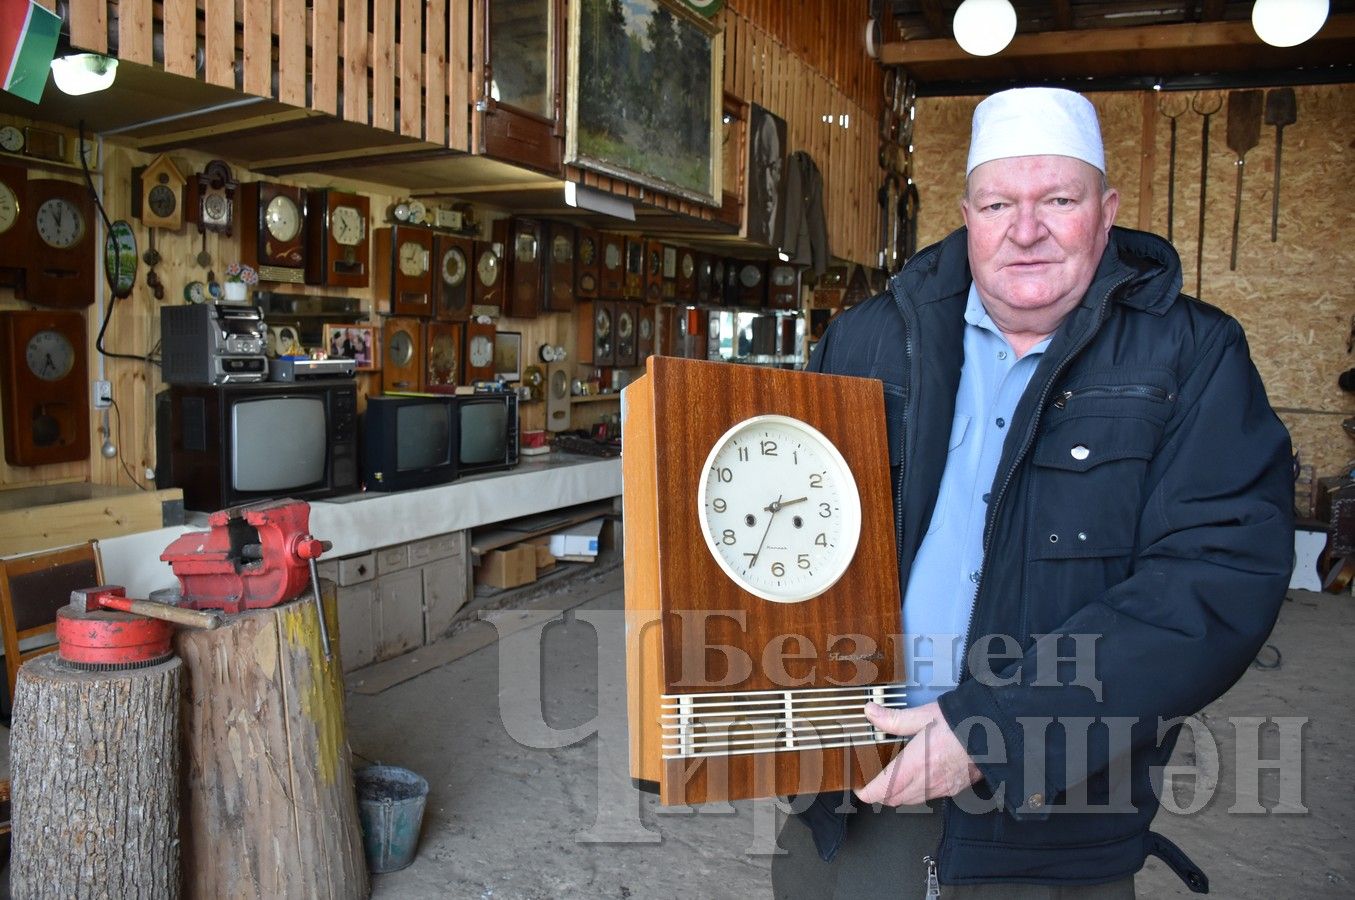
{"points": [[1143, 498]]}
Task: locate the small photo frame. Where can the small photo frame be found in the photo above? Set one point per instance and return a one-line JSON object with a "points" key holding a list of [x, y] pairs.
{"points": [[508, 355], [359, 342]]}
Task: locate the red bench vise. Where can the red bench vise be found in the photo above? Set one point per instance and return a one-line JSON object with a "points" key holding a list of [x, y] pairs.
{"points": [[253, 557], [102, 629]]}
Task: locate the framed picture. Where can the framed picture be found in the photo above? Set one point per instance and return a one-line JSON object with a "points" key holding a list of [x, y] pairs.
{"points": [[645, 94], [766, 159], [358, 342], [508, 355]]}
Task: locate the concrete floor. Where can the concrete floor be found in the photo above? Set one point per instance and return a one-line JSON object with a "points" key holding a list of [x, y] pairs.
{"points": [[508, 820]]}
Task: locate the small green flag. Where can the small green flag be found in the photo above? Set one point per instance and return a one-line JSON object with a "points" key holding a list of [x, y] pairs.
{"points": [[27, 44]]}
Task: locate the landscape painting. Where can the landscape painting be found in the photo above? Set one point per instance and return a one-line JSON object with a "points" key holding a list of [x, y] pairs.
{"points": [[644, 93]]}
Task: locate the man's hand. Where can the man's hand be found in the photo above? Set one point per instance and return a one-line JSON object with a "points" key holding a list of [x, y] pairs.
{"points": [[932, 764]]}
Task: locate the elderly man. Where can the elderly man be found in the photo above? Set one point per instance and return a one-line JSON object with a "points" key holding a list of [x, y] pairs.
{"points": [[1093, 516]]}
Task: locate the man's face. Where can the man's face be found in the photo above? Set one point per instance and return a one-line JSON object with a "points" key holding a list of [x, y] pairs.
{"points": [[1037, 228]]}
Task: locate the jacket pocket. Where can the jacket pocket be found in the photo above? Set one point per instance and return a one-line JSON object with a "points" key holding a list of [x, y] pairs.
{"points": [[1088, 484], [959, 428]]}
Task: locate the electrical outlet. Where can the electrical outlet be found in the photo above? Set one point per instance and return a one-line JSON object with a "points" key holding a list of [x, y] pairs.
{"points": [[103, 394]]}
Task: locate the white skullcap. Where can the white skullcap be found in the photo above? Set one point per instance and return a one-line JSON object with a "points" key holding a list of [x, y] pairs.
{"points": [[1036, 122]]}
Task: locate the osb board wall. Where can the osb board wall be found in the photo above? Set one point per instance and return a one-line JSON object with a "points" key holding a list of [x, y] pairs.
{"points": [[1295, 298]]}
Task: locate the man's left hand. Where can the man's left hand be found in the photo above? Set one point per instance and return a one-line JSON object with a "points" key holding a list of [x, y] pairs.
{"points": [[932, 764]]}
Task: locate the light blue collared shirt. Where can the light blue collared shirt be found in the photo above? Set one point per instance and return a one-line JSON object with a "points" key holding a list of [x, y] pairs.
{"points": [[945, 573]]}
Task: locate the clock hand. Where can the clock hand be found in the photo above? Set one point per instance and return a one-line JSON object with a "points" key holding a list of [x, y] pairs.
{"points": [[776, 505], [49, 364], [781, 504]]}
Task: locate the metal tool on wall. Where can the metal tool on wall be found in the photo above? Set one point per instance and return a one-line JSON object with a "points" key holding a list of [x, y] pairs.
{"points": [[1166, 104], [1204, 105], [1244, 133], [1281, 110]]}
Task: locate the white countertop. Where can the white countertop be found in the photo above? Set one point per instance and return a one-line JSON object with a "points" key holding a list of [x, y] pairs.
{"points": [[362, 522]]}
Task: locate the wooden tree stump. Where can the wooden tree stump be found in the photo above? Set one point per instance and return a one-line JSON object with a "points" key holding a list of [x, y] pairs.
{"points": [[269, 806], [96, 781]]}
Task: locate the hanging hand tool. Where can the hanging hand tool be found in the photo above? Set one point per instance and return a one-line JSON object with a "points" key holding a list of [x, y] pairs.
{"points": [[1204, 106], [1166, 104], [1280, 111], [1244, 133]]}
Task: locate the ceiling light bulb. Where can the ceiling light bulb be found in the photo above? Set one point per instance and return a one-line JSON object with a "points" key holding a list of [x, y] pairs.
{"points": [[84, 73], [1288, 23], [984, 27]]}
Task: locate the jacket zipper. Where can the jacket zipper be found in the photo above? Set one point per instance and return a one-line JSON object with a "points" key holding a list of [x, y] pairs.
{"points": [[933, 883], [903, 444], [997, 500], [1124, 390]]}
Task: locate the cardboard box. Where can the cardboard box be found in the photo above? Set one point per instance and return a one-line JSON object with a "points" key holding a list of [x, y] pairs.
{"points": [[577, 540], [545, 560], [509, 567]]}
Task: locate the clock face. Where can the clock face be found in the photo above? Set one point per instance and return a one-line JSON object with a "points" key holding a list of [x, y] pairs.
{"points": [[215, 208], [488, 268], [60, 223], [688, 265], [588, 251], [669, 262], [646, 328], [779, 508], [602, 323], [9, 208], [413, 259], [49, 355], [611, 257], [11, 139], [453, 267], [526, 247], [750, 275], [161, 200], [625, 324], [401, 348], [561, 250], [417, 212], [718, 272], [442, 360], [481, 351], [282, 218], [783, 276], [346, 225], [655, 262]]}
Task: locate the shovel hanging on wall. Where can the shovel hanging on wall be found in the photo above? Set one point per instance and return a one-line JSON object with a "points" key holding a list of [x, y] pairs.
{"points": [[1281, 110], [1244, 133]]}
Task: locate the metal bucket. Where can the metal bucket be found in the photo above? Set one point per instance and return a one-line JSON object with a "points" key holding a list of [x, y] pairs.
{"points": [[390, 806]]}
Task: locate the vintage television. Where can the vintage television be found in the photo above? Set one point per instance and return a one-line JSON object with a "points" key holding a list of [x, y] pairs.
{"points": [[487, 432], [409, 441], [238, 443]]}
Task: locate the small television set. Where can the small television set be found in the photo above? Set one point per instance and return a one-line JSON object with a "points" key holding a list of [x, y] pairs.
{"points": [[487, 432], [409, 441], [239, 443]]}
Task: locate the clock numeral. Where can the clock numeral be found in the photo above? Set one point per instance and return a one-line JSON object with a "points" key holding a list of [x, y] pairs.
{"points": [[821, 540], [795, 457], [803, 560], [825, 510], [751, 557], [719, 505], [724, 474], [743, 454], [815, 480], [728, 536], [778, 570], [769, 448]]}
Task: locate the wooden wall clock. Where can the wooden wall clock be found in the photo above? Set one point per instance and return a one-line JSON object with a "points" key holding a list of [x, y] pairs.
{"points": [[594, 332], [46, 387], [338, 238], [635, 268], [61, 255], [644, 336], [783, 286], [685, 286], [557, 397], [560, 267], [613, 272], [158, 198], [402, 355], [626, 323], [453, 257], [670, 271], [404, 266], [729, 291], [479, 353], [526, 269], [766, 498], [587, 259], [13, 234], [442, 369], [750, 284], [211, 201], [701, 281], [653, 271], [273, 231], [490, 278], [718, 265]]}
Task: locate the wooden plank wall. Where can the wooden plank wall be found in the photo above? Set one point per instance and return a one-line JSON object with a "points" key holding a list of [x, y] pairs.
{"points": [[403, 64]]}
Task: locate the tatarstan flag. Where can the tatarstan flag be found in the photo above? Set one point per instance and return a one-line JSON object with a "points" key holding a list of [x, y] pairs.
{"points": [[27, 44]]}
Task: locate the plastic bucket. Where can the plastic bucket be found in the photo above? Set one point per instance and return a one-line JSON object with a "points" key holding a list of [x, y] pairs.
{"points": [[390, 806]]}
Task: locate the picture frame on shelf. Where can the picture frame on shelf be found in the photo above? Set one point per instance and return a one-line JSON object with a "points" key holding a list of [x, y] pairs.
{"points": [[647, 111], [358, 341], [508, 355]]}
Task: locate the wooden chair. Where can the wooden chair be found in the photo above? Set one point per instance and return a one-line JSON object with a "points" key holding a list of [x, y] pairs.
{"points": [[32, 589]]}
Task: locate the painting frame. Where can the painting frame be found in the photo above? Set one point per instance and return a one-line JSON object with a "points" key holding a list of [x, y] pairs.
{"points": [[591, 143], [508, 355], [364, 346]]}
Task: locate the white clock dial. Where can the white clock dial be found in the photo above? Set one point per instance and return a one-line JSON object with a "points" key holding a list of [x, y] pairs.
{"points": [[417, 212], [9, 207], [413, 259], [49, 355], [750, 276], [779, 508], [11, 139], [561, 249], [611, 257], [488, 268], [688, 265], [282, 218], [453, 267], [625, 324], [346, 225], [526, 248], [481, 351], [401, 348], [60, 223]]}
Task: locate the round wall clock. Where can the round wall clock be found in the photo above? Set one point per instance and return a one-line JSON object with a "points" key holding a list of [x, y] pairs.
{"points": [[750, 275], [481, 351], [60, 224], [413, 259], [779, 508], [588, 251], [688, 265], [453, 267], [488, 267], [49, 355], [9, 207], [561, 249], [282, 218], [400, 350], [11, 139], [612, 257]]}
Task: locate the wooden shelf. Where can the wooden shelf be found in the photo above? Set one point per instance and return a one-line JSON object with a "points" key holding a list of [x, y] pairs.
{"points": [[596, 398]]}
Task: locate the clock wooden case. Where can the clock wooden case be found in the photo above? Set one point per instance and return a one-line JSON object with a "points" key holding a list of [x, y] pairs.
{"points": [[626, 323], [636, 263], [61, 256], [750, 283], [404, 260], [46, 387], [526, 269], [783, 286], [587, 263], [701, 281], [673, 577], [158, 194], [273, 231], [442, 355], [211, 198], [613, 266], [653, 271], [453, 258], [479, 354], [595, 332], [670, 271], [13, 233], [402, 355], [560, 267], [644, 335], [685, 286], [338, 238]]}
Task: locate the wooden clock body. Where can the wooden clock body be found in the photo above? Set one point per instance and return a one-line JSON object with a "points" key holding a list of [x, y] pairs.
{"points": [[443, 353], [46, 387], [587, 263], [453, 274], [561, 266], [402, 354], [276, 258], [680, 604], [61, 253], [338, 239], [611, 266]]}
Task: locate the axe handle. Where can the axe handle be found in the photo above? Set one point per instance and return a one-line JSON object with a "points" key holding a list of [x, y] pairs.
{"points": [[192, 618]]}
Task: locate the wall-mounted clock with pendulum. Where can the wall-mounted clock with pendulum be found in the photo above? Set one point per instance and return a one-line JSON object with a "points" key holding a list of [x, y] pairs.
{"points": [[46, 388], [442, 369], [452, 257], [61, 256], [338, 239], [402, 349], [480, 350], [273, 231]]}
